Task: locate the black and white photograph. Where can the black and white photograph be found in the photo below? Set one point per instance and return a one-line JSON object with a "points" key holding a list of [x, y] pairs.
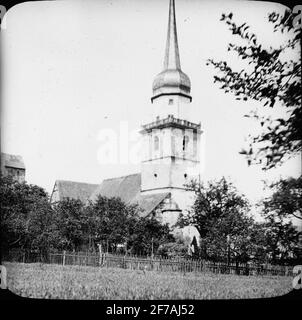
{"points": [[151, 150]]}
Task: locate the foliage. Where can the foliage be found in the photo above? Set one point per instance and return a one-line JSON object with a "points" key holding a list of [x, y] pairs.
{"points": [[280, 241], [220, 215], [68, 218], [29, 221], [286, 199], [229, 238], [147, 235], [41, 227], [22, 205], [274, 79], [177, 249], [111, 221], [214, 200], [281, 237]]}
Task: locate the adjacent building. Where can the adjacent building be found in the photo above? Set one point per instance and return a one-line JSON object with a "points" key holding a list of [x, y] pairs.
{"points": [[71, 189], [13, 166]]}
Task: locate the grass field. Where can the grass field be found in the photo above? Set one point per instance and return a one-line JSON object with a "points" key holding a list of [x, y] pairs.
{"points": [[77, 282]]}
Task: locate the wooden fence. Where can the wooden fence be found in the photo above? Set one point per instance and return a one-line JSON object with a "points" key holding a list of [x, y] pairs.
{"points": [[147, 263]]}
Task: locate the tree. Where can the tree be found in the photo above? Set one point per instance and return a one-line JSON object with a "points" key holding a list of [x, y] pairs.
{"points": [[147, 235], [68, 224], [286, 200], [280, 241], [18, 205], [220, 215], [274, 79], [214, 199], [109, 221], [229, 239], [41, 227], [281, 236]]}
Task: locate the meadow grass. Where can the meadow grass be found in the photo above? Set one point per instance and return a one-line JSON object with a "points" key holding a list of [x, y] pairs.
{"points": [[37, 280]]}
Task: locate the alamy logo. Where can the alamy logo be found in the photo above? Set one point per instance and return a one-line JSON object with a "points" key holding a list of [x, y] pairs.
{"points": [[297, 281], [3, 284]]}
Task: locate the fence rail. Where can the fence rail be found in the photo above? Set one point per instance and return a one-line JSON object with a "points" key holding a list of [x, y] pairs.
{"points": [[147, 263]]}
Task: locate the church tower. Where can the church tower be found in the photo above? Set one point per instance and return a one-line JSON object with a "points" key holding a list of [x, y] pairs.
{"points": [[171, 142]]}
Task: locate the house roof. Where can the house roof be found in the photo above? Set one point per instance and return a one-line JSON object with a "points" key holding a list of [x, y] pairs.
{"points": [[128, 189], [74, 190], [13, 161]]}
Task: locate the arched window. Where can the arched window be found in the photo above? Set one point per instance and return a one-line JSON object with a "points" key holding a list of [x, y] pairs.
{"points": [[185, 142], [156, 143]]}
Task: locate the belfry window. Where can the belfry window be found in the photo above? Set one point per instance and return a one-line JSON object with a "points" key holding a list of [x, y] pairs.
{"points": [[156, 143], [170, 102], [185, 142]]}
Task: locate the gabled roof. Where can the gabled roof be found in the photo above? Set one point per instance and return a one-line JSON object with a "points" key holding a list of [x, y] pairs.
{"points": [[11, 160], [128, 188], [74, 190], [149, 202]]}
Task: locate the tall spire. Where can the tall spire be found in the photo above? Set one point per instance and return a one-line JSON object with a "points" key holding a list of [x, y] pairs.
{"points": [[172, 60], [172, 80]]}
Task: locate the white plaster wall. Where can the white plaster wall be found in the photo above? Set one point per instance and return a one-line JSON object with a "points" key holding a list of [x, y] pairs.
{"points": [[172, 166], [55, 196], [148, 171], [182, 172], [180, 108], [170, 217]]}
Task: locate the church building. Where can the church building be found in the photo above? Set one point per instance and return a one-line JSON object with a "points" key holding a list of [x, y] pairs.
{"points": [[171, 146]]}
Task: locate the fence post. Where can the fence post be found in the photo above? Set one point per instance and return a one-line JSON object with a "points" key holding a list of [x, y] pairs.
{"points": [[64, 254], [100, 254]]}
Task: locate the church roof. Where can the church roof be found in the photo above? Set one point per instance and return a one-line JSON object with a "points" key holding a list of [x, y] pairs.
{"points": [[172, 80], [128, 188], [11, 160], [74, 190], [149, 202]]}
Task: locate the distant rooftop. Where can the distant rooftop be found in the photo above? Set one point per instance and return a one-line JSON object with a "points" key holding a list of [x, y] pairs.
{"points": [[12, 161], [74, 190]]}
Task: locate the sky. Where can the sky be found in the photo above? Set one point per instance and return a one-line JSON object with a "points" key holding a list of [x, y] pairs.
{"points": [[73, 69]]}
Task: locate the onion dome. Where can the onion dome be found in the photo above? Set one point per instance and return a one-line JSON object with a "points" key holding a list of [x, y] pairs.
{"points": [[172, 80]]}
